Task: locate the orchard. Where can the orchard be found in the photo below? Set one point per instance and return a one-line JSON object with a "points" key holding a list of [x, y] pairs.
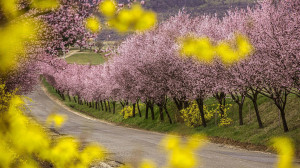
{"points": [[148, 67], [185, 60]]}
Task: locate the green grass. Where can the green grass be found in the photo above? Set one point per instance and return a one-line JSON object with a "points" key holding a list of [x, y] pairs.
{"points": [[86, 58], [248, 133]]}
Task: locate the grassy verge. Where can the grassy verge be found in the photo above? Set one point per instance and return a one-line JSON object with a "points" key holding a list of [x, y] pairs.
{"points": [[248, 136], [86, 58]]}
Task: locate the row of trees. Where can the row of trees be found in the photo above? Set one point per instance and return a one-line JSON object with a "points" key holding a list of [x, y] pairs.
{"points": [[149, 68]]}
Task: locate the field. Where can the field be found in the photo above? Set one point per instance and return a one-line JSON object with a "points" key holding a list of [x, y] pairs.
{"points": [[86, 58]]}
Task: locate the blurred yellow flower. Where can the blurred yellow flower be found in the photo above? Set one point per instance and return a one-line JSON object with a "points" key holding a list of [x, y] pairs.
{"points": [[182, 155], [196, 141], [244, 46], [92, 152], [147, 164], [28, 164], [93, 24], [125, 166], [57, 119], [134, 19], [226, 53], [170, 142], [146, 21], [45, 4], [13, 39], [286, 151], [201, 48], [7, 157], [9, 7], [182, 158], [108, 8], [65, 152]]}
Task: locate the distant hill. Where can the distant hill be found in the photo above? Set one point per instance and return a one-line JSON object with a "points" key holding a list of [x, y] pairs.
{"points": [[167, 8]]}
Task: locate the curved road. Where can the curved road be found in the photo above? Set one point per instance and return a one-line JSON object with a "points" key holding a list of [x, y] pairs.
{"points": [[128, 145]]}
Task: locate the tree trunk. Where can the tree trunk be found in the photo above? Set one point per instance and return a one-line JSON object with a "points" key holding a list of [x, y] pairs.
{"points": [[147, 110], [241, 114], [114, 107], [123, 104], [74, 99], [101, 103], [260, 124], [105, 105], [133, 110], [253, 94], [152, 111], [178, 103], [200, 106], [284, 123], [109, 106], [186, 104], [79, 100], [170, 120], [138, 107], [69, 97], [240, 101], [61, 95], [161, 112], [221, 98]]}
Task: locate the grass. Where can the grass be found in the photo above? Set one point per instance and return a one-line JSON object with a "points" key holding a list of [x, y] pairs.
{"points": [[248, 135], [86, 58]]}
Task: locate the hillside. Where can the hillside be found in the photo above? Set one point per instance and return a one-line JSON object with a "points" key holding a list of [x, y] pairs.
{"points": [[167, 8]]}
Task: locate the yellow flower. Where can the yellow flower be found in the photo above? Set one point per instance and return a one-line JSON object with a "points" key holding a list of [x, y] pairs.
{"points": [[204, 51], [147, 20], [147, 164], [45, 4], [285, 149], [64, 152], [108, 8], [7, 157], [57, 119], [13, 39], [9, 7], [195, 141], [201, 48], [127, 112], [226, 53], [93, 24], [92, 153], [170, 142], [134, 19], [243, 45], [28, 164], [182, 158]]}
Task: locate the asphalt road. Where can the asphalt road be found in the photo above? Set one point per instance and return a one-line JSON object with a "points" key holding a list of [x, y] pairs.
{"points": [[129, 145]]}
